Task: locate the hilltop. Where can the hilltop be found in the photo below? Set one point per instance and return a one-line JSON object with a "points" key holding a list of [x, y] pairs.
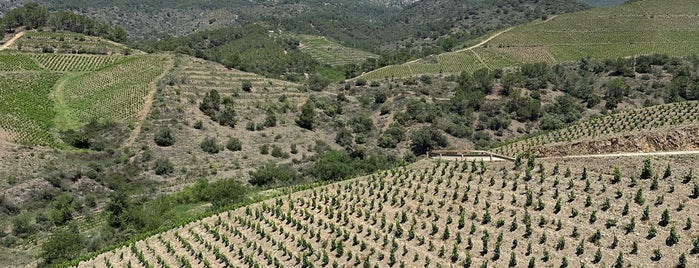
{"points": [[631, 29]]}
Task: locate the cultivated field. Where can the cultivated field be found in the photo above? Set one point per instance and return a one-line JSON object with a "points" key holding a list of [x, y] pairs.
{"points": [[654, 118], [26, 110], [329, 52], [434, 214], [667, 27], [74, 63], [67, 42], [117, 92], [49, 92]]}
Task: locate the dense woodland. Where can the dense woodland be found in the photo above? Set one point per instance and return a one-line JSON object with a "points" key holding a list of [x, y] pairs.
{"points": [[34, 16], [420, 28]]}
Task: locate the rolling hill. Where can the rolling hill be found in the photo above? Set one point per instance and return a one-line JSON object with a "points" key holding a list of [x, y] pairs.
{"points": [[443, 214], [173, 157], [635, 28], [71, 90]]}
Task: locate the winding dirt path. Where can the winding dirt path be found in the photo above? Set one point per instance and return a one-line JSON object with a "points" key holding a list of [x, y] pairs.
{"points": [[11, 41], [148, 103], [479, 44]]}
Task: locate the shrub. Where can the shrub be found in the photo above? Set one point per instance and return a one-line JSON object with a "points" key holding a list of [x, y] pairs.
{"points": [[64, 244], [246, 86], [264, 149], [234, 144], [22, 225], [278, 153], [305, 119], [164, 137], [210, 145], [163, 166], [272, 173], [427, 138]]}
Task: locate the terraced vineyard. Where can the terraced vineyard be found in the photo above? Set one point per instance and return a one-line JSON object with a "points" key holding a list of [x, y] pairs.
{"points": [[74, 63], [447, 63], [329, 52], [434, 214], [117, 92], [629, 121], [669, 27], [13, 62], [26, 110], [66, 42], [195, 77]]}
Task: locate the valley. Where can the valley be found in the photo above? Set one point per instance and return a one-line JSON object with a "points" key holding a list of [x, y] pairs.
{"points": [[272, 134]]}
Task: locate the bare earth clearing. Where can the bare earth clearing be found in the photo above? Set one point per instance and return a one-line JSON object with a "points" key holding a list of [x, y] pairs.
{"points": [[11, 41]]}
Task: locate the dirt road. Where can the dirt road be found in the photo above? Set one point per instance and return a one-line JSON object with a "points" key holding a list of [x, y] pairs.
{"points": [[143, 114], [11, 41], [624, 155]]}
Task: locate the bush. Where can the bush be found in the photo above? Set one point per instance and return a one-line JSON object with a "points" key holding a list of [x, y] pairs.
{"points": [[305, 119], [272, 174], [387, 141], [361, 124], [427, 138], [64, 244], [278, 152], [334, 165], [234, 144], [264, 149], [163, 166], [23, 226], [164, 137], [210, 145], [343, 137], [246, 86]]}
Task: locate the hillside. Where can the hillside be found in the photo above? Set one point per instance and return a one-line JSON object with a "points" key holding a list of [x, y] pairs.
{"points": [[71, 90], [636, 28], [602, 3], [118, 149], [329, 52], [672, 120], [446, 213], [374, 23]]}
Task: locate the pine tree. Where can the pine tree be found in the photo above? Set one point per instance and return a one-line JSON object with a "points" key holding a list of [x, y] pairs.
{"points": [[306, 118]]}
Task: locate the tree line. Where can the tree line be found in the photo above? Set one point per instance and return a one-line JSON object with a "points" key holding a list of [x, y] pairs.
{"points": [[34, 16]]}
